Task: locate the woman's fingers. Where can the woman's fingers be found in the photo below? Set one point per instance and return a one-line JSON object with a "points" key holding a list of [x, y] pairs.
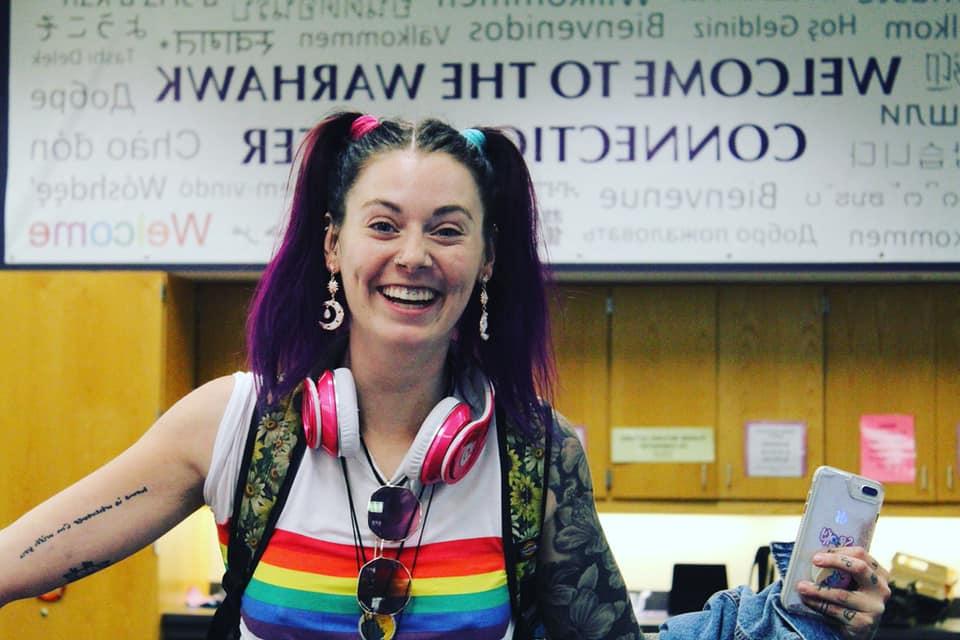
{"points": [[858, 609]]}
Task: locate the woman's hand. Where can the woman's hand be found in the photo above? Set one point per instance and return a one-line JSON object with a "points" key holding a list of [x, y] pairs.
{"points": [[858, 609]]}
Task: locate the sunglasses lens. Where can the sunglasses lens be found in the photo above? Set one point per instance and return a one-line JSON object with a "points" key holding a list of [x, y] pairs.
{"points": [[383, 586], [393, 513]]}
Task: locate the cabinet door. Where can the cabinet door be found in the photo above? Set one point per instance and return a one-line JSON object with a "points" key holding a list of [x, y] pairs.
{"points": [[580, 328], [880, 360], [770, 344], [80, 371], [948, 392], [663, 374]]}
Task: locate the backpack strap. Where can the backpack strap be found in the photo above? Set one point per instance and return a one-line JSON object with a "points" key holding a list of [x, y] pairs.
{"points": [[524, 494], [273, 451]]}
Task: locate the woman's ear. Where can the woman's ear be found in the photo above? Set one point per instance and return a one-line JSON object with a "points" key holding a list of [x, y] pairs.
{"points": [[486, 271], [331, 246]]}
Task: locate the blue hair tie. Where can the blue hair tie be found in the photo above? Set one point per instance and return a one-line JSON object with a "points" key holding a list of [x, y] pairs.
{"points": [[474, 138]]}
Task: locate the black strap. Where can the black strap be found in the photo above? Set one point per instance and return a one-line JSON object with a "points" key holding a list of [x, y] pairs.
{"points": [[521, 546], [241, 560]]}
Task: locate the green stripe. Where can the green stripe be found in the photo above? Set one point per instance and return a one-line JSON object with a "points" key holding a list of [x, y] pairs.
{"points": [[463, 602], [325, 602], [297, 599]]}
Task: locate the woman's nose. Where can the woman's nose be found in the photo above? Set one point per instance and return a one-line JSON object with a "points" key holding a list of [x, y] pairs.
{"points": [[414, 253]]}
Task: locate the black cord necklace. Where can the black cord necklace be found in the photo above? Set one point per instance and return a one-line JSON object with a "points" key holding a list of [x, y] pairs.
{"points": [[360, 554]]}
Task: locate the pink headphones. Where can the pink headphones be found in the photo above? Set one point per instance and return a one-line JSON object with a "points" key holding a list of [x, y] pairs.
{"points": [[446, 447]]}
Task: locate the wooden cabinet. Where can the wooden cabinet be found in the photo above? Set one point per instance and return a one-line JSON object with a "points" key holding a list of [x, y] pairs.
{"points": [[663, 373], [83, 372], [580, 328], [947, 306], [770, 368], [880, 360]]}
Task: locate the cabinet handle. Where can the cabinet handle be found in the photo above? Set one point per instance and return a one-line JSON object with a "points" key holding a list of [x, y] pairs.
{"points": [[923, 477], [950, 477], [703, 476], [729, 475]]}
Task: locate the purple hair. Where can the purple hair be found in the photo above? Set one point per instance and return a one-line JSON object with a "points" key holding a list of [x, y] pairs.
{"points": [[284, 341]]}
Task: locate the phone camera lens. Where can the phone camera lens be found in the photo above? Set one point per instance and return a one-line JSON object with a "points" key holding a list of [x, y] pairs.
{"points": [[869, 491]]}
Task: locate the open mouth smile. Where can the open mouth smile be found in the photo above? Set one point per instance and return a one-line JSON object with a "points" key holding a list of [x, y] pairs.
{"points": [[413, 296]]}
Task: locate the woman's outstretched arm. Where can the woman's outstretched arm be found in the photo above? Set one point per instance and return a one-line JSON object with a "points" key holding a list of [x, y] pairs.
{"points": [[119, 508]]}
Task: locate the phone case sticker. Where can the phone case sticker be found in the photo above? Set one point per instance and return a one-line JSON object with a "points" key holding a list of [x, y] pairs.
{"points": [[888, 448], [776, 449]]}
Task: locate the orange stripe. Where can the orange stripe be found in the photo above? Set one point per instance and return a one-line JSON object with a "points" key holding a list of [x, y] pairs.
{"points": [[443, 559]]}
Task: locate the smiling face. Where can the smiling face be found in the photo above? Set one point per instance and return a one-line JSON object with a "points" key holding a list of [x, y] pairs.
{"points": [[410, 249]]}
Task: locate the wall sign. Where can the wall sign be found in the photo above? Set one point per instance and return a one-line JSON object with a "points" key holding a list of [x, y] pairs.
{"points": [[776, 449], [161, 132], [662, 444]]}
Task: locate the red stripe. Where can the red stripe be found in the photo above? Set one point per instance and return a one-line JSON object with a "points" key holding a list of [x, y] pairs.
{"points": [[223, 533], [442, 559]]}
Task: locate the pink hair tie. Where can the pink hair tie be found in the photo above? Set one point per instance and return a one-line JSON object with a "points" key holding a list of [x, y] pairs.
{"points": [[362, 126]]}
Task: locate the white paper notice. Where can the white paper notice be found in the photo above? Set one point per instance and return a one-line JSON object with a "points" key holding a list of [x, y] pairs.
{"points": [[662, 444], [776, 449]]}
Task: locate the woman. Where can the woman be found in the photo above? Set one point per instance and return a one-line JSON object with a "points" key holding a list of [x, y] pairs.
{"points": [[408, 275]]}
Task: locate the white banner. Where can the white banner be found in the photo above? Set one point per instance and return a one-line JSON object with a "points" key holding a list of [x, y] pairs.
{"points": [[680, 132]]}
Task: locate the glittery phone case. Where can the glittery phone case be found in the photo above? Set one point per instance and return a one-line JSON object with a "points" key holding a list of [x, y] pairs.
{"points": [[841, 511]]}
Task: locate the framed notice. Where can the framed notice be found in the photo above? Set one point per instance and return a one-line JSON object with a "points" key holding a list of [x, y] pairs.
{"points": [[776, 449], [662, 444]]}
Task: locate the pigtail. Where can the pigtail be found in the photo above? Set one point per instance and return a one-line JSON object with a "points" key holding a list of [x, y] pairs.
{"points": [[519, 352], [283, 340]]}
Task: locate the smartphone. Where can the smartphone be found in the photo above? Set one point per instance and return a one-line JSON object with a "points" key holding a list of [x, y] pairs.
{"points": [[841, 511]]}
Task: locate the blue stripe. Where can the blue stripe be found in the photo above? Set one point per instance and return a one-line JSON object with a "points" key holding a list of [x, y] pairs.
{"points": [[494, 618], [288, 616]]}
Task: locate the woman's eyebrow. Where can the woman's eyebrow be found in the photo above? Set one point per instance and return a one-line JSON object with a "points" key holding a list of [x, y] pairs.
{"points": [[439, 211]]}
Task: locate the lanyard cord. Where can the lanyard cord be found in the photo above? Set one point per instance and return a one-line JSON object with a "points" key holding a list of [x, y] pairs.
{"points": [[359, 552]]}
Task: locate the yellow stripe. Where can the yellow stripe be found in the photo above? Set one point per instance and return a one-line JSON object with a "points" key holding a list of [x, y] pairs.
{"points": [[301, 580]]}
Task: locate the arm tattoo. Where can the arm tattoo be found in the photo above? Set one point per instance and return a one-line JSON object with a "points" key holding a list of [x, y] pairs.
{"points": [[84, 569], [582, 594], [80, 520]]}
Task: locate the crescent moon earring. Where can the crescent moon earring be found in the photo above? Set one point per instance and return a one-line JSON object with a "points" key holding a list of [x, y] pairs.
{"points": [[332, 316]]}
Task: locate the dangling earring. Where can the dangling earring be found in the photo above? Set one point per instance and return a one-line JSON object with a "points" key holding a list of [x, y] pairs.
{"points": [[484, 299], [332, 316]]}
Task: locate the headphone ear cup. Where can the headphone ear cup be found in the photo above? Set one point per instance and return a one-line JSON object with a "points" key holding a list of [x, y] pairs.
{"points": [[463, 452], [328, 436], [466, 447], [419, 463], [309, 412], [344, 405], [431, 471]]}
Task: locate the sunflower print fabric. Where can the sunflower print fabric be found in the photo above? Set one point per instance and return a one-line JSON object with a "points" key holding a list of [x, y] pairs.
{"points": [[272, 449]]}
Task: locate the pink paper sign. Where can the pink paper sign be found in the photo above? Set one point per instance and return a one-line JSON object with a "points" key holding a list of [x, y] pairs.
{"points": [[888, 448]]}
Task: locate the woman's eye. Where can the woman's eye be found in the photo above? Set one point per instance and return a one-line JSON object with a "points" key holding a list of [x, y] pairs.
{"points": [[382, 226], [449, 232]]}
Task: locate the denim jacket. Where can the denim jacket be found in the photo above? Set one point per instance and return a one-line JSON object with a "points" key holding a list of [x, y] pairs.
{"points": [[741, 614]]}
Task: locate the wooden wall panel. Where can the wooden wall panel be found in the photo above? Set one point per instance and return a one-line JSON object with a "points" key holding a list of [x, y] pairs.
{"points": [[948, 392], [580, 334], [221, 316], [770, 344], [663, 373], [80, 377], [880, 359]]}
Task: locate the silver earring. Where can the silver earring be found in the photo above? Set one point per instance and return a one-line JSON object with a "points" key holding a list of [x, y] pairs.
{"points": [[332, 310], [484, 299]]}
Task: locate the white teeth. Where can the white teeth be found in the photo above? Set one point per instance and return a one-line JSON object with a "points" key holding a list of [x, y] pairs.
{"points": [[409, 294]]}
